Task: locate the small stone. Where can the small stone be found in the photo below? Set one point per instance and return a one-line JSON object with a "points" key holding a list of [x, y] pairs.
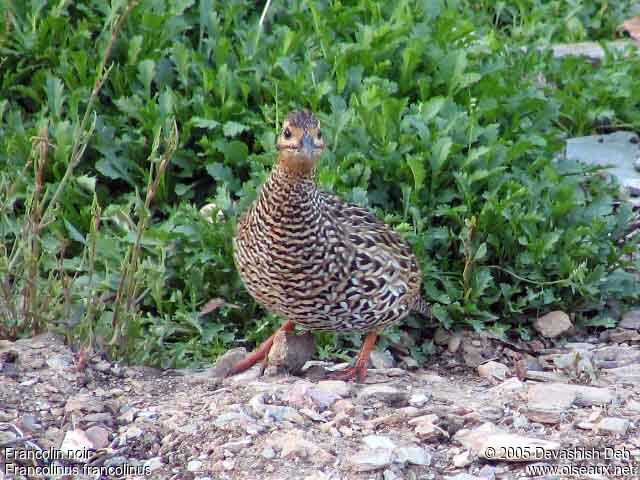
{"points": [[228, 464], [413, 455], [83, 403], [99, 436], [555, 396], [290, 351], [587, 396], [153, 463], [418, 399], [268, 453], [381, 359], [277, 412], [389, 474], [337, 387], [614, 425], [428, 431], [74, 443], [103, 417], [378, 441], [133, 431], [494, 370], [553, 324], [631, 320], [194, 465], [513, 384], [231, 421], [370, 460], [472, 355], [453, 345], [60, 362], [384, 394], [294, 444], [409, 362], [633, 405], [462, 459], [226, 361]]}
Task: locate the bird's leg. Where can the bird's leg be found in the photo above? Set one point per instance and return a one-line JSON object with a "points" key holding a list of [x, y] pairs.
{"points": [[359, 368], [261, 352]]}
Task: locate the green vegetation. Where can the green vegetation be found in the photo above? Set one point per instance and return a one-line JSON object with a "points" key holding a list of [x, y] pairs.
{"points": [[117, 123]]}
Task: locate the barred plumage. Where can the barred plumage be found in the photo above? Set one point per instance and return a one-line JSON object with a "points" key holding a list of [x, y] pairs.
{"points": [[319, 262]]}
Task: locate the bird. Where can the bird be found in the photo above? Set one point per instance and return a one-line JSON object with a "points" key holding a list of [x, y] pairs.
{"points": [[319, 262]]}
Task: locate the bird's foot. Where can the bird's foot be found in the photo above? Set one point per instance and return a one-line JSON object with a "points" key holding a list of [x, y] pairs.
{"points": [[357, 372]]}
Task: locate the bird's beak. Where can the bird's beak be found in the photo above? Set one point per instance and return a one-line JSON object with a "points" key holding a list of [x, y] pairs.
{"points": [[307, 145]]}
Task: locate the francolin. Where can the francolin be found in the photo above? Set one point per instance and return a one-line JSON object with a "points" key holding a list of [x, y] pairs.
{"points": [[317, 261]]}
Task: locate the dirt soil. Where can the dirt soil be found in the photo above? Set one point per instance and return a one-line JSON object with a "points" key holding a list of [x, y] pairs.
{"points": [[481, 409]]}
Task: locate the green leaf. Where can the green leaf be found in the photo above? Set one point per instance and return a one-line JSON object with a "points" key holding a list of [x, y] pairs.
{"points": [[419, 172], [232, 129]]}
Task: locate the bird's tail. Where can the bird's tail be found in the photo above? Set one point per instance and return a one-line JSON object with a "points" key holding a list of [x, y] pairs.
{"points": [[422, 307]]}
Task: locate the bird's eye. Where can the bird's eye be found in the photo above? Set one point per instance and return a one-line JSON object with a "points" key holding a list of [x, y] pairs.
{"points": [[319, 134], [287, 133]]}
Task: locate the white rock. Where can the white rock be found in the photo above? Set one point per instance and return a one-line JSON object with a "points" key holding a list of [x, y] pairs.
{"points": [[268, 452], [462, 459], [76, 443], [340, 388], [413, 455], [381, 359], [550, 396], [378, 441], [153, 463], [493, 369], [553, 324], [631, 320], [369, 460], [382, 393], [418, 399], [194, 465], [614, 425]]}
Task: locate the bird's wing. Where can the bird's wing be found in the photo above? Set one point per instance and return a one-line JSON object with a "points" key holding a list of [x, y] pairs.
{"points": [[382, 255]]}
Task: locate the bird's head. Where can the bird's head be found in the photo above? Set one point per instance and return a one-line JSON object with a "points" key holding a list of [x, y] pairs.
{"points": [[300, 143]]}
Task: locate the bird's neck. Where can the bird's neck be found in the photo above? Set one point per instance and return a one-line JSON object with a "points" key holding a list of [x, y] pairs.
{"points": [[288, 192]]}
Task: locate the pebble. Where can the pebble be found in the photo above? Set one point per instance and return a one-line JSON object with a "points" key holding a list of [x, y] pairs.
{"points": [[381, 359], [631, 320], [99, 436], [494, 370], [414, 455], [153, 463], [370, 460], [337, 387], [378, 441], [74, 441], [462, 459], [418, 400], [613, 425], [384, 394], [194, 465], [268, 453]]}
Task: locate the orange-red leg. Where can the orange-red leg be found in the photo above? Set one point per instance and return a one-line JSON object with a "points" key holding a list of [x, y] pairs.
{"points": [[261, 352], [359, 369]]}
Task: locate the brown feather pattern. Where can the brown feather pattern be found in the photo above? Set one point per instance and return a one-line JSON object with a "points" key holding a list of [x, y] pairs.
{"points": [[323, 263]]}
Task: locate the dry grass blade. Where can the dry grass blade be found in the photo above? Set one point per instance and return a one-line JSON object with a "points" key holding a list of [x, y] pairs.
{"points": [[214, 304]]}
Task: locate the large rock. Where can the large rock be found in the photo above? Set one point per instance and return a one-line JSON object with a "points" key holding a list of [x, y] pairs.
{"points": [[631, 320], [553, 324], [289, 353]]}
